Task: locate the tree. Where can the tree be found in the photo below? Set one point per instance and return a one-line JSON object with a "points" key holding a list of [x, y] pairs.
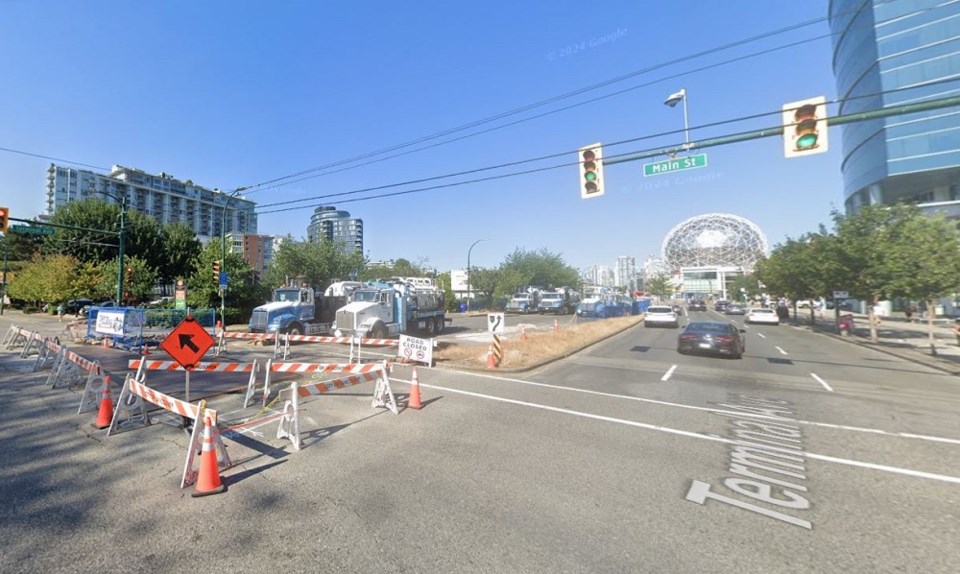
{"points": [[485, 284], [923, 262], [803, 268], [316, 263], [660, 286], [181, 253], [540, 268]]}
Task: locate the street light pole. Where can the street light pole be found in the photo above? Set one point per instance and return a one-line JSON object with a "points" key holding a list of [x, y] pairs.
{"points": [[123, 239], [223, 254], [468, 269], [672, 101]]}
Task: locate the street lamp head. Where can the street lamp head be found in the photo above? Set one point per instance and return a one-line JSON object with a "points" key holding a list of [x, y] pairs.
{"points": [[676, 98]]}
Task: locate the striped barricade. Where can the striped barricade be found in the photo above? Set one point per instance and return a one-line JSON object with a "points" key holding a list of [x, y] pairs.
{"points": [[12, 331], [47, 355], [93, 393], [19, 337], [34, 341], [144, 365], [71, 368], [290, 418], [255, 337], [134, 412]]}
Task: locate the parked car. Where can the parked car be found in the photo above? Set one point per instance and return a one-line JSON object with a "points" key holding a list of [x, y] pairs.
{"points": [[74, 306], [734, 309], [720, 305], [713, 337], [101, 304], [161, 302], [659, 315], [760, 315]]}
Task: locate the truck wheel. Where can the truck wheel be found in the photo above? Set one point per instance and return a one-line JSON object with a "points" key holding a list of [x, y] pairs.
{"points": [[378, 331], [430, 327], [440, 324], [295, 329]]}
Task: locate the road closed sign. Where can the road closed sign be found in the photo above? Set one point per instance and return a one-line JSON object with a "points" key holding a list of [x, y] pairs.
{"points": [[414, 349]]}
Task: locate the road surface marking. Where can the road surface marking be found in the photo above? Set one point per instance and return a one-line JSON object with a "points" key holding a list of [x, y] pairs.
{"points": [[705, 409], [782, 352], [761, 335], [821, 381], [669, 372], [690, 434]]}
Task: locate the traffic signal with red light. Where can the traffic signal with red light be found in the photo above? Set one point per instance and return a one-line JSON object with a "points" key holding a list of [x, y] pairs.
{"points": [[4, 219], [591, 171], [805, 127]]}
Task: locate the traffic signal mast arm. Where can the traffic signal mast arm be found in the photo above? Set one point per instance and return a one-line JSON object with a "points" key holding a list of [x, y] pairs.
{"points": [[937, 104]]}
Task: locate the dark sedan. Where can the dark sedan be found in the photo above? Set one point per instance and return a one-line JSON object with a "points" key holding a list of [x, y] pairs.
{"points": [[697, 306], [712, 337]]}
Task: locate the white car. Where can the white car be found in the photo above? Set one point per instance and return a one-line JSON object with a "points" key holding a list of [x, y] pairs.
{"points": [[660, 315], [759, 315]]}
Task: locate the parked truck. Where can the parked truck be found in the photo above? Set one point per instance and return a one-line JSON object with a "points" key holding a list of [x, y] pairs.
{"points": [[525, 300], [400, 305], [560, 301], [301, 310]]}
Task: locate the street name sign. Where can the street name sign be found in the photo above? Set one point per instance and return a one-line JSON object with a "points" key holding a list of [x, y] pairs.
{"points": [[29, 230], [840, 295], [188, 343], [675, 164]]}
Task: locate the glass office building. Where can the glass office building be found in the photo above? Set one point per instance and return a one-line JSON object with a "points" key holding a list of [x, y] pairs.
{"points": [[330, 224], [887, 53]]}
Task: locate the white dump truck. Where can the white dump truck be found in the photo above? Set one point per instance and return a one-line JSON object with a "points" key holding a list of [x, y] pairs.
{"points": [[400, 305]]}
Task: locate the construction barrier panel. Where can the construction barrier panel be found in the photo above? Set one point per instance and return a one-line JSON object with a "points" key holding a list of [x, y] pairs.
{"points": [[222, 337], [70, 368], [47, 355], [131, 400]]}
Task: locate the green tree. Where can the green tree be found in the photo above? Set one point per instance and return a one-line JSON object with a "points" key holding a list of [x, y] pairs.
{"points": [[243, 293], [485, 284], [923, 261], [660, 286], [803, 268], [541, 268], [316, 263], [181, 253]]}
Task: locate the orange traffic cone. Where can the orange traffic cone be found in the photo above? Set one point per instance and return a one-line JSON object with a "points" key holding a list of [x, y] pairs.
{"points": [[414, 401], [208, 477], [105, 416], [105, 345], [491, 361]]}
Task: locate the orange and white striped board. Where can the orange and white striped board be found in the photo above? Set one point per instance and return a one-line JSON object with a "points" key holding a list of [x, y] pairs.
{"points": [[167, 402], [321, 367], [234, 335], [321, 339], [134, 364], [81, 362], [343, 382]]}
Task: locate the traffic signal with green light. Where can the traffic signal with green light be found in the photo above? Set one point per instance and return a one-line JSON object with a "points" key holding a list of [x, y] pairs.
{"points": [[805, 127], [591, 171], [4, 219]]}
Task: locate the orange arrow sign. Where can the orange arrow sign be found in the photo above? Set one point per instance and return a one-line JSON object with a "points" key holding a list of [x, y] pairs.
{"points": [[187, 343]]}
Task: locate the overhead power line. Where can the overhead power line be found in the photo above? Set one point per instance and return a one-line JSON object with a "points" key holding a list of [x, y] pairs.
{"points": [[652, 152]]}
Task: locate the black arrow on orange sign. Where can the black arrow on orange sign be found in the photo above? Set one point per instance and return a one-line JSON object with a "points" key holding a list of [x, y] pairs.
{"points": [[186, 340]]}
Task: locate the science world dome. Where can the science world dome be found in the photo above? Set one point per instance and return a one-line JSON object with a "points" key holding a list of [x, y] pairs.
{"points": [[714, 240]]}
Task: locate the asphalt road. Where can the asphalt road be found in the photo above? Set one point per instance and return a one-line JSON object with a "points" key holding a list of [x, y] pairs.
{"points": [[627, 457]]}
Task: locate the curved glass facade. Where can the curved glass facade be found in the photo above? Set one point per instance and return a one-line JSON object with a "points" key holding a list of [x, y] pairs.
{"points": [[880, 46], [332, 224]]}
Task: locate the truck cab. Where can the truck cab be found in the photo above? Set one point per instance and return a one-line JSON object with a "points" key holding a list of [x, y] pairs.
{"points": [[296, 311], [383, 309]]}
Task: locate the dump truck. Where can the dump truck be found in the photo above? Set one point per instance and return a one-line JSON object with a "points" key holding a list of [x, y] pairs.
{"points": [[301, 310], [524, 300], [561, 301], [399, 305]]}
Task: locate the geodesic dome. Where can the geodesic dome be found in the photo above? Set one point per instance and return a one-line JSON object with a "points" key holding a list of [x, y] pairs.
{"points": [[655, 268], [714, 240]]}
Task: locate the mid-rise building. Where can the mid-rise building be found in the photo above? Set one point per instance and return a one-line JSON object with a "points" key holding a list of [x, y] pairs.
{"points": [[887, 54], [599, 275], [330, 224], [208, 212], [257, 250]]}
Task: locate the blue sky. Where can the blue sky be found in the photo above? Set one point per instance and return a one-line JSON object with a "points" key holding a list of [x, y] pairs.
{"points": [[238, 93]]}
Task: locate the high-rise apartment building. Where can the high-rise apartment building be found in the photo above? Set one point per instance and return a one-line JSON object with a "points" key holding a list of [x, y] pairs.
{"points": [[626, 272], [879, 49], [161, 196], [330, 224]]}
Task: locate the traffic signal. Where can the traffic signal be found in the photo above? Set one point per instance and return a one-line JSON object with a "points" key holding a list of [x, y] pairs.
{"points": [[805, 127], [4, 219], [129, 275], [591, 171], [216, 270]]}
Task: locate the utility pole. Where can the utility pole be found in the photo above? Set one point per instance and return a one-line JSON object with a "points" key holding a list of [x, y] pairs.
{"points": [[123, 239]]}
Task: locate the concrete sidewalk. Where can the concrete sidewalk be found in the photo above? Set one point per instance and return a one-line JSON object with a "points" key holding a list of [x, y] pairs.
{"points": [[909, 340]]}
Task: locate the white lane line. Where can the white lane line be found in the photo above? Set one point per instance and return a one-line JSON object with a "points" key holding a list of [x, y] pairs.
{"points": [[666, 376], [761, 335], [690, 434], [821, 381], [705, 409], [782, 352]]}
